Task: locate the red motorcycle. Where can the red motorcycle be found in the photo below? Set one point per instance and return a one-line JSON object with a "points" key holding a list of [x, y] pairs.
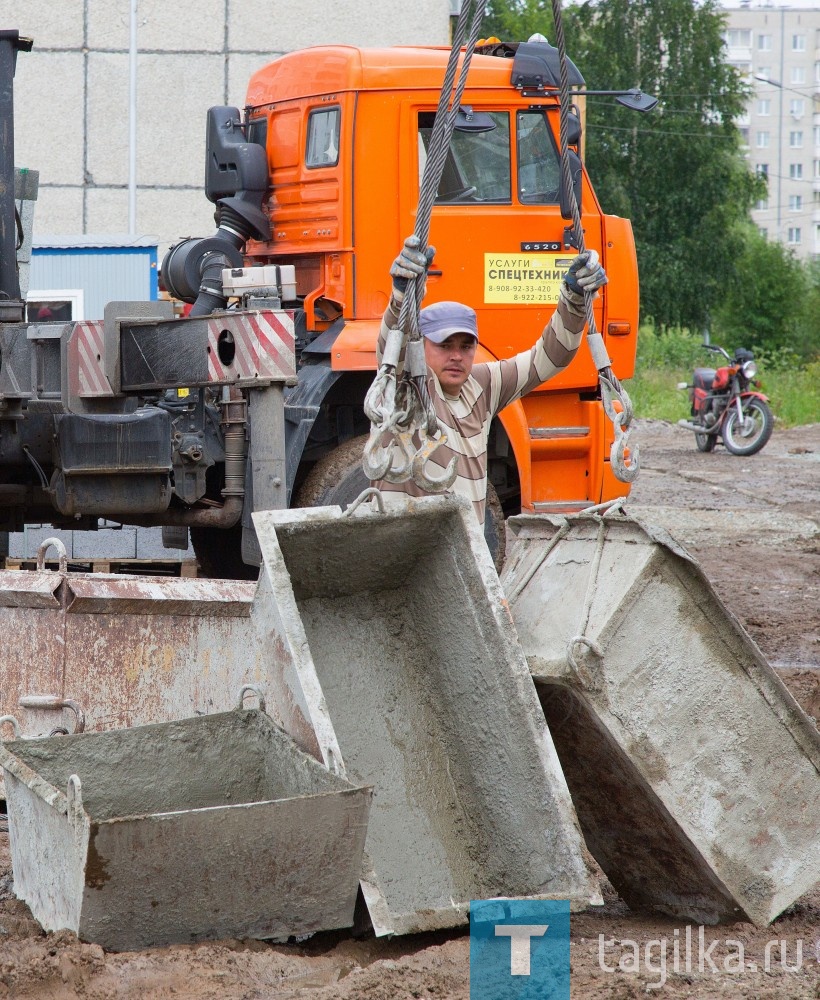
{"points": [[724, 405]]}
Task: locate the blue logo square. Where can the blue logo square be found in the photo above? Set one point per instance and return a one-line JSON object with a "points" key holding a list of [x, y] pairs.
{"points": [[519, 949]]}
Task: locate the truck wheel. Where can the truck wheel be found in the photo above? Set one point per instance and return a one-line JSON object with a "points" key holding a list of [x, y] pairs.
{"points": [[338, 478]]}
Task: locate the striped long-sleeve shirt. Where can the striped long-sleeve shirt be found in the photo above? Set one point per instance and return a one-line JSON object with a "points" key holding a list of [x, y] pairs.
{"points": [[490, 387]]}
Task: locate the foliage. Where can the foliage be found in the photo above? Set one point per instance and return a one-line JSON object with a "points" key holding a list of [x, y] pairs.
{"points": [[668, 357], [515, 20], [676, 172], [771, 302]]}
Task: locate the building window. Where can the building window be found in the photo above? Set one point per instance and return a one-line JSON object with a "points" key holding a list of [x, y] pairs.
{"points": [[798, 43], [764, 232], [762, 169], [762, 205], [764, 106], [740, 38], [744, 136], [762, 140], [817, 72], [796, 171], [794, 235], [796, 107], [816, 169], [764, 43], [763, 71], [798, 74], [816, 136], [795, 202], [796, 140]]}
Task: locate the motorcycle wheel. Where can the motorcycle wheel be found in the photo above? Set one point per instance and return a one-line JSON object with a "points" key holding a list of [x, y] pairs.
{"points": [[706, 442], [750, 435]]}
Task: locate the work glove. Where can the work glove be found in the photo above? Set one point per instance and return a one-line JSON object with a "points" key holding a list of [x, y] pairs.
{"points": [[410, 263], [585, 273]]}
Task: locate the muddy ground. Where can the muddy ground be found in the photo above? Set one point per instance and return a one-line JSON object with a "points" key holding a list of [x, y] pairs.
{"points": [[754, 525]]}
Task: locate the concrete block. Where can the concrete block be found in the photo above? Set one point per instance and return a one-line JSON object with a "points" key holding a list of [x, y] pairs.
{"points": [[108, 543], [149, 546], [314, 23], [175, 93], [695, 774], [108, 97], [44, 140], [50, 25], [24, 544]]}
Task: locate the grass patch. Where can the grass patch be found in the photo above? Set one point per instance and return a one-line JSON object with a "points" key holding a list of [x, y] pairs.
{"points": [[665, 359]]}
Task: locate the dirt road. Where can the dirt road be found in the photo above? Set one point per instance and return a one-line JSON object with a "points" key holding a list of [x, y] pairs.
{"points": [[754, 524]]}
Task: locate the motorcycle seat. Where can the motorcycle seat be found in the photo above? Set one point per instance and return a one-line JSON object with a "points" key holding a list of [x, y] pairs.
{"points": [[704, 377]]}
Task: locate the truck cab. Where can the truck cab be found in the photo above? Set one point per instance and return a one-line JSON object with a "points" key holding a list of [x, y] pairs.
{"points": [[345, 132]]}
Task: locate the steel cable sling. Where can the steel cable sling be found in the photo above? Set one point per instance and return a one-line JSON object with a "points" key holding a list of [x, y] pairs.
{"points": [[612, 392], [400, 406]]}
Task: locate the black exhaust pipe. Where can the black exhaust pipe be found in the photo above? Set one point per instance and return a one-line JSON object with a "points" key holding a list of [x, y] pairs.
{"points": [[11, 304]]}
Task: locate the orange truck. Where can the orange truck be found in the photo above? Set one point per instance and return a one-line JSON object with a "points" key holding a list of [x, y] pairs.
{"points": [[345, 131], [159, 420]]}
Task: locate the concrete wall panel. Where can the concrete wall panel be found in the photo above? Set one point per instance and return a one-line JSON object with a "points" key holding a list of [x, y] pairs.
{"points": [[50, 24], [106, 210], [49, 115], [59, 210], [294, 26], [175, 94], [107, 155], [184, 212]]}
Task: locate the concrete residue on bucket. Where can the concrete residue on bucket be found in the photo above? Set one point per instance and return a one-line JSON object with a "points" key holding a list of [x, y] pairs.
{"points": [[198, 829], [694, 772], [400, 627]]}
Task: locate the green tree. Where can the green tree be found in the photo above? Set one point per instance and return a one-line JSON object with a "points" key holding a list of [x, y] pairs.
{"points": [[771, 302], [516, 20], [676, 172]]}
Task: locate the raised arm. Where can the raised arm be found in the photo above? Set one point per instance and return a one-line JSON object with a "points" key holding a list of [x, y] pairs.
{"points": [[410, 263]]}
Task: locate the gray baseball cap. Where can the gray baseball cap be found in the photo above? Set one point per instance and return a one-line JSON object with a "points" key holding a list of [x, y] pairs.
{"points": [[442, 319]]}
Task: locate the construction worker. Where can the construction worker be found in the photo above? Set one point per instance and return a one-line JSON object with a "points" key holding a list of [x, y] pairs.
{"points": [[466, 395]]}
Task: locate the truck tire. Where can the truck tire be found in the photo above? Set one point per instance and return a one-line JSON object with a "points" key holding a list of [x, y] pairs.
{"points": [[338, 478]]}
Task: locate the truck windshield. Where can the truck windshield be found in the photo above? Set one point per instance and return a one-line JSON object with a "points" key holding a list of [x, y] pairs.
{"points": [[478, 163], [539, 168]]}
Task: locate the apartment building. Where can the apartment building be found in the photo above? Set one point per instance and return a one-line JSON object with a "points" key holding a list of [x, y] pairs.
{"points": [[778, 48]]}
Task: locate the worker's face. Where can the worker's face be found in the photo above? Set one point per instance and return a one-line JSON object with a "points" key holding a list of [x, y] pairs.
{"points": [[452, 360]]}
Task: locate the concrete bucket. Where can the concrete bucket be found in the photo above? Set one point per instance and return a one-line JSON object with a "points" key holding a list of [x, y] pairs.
{"points": [[101, 651], [211, 827], [403, 645], [694, 773]]}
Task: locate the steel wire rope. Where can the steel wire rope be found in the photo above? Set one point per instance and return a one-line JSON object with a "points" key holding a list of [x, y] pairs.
{"points": [[611, 390], [401, 407]]}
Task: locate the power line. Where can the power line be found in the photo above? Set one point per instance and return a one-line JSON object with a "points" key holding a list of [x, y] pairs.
{"points": [[661, 132]]}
